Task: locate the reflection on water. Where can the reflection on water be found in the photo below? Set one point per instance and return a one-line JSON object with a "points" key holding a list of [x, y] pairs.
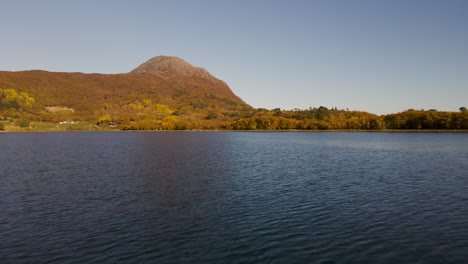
{"points": [[221, 197]]}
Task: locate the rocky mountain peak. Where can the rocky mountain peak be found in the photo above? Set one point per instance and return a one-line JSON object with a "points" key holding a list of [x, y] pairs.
{"points": [[171, 64]]}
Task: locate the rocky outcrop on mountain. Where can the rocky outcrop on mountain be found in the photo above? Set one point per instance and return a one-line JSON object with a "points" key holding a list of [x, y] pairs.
{"points": [[173, 65]]}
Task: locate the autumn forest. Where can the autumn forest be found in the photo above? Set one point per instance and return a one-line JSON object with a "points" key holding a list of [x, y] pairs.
{"points": [[167, 93]]}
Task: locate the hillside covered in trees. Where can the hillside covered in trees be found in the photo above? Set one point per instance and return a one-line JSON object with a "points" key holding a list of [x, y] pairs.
{"points": [[167, 93], [323, 118], [164, 89]]}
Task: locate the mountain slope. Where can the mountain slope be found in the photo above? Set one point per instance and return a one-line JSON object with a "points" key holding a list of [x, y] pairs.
{"points": [[190, 91]]}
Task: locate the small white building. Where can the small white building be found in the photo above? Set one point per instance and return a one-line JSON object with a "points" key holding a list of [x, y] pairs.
{"points": [[66, 122]]}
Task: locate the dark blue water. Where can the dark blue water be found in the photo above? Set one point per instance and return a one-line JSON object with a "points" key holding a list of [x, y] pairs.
{"points": [[222, 197]]}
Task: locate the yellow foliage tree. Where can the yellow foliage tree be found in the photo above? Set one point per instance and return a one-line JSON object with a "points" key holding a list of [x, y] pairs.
{"points": [[104, 118], [163, 109], [147, 102], [11, 98]]}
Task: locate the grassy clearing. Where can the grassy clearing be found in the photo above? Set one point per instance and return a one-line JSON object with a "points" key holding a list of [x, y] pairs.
{"points": [[49, 127]]}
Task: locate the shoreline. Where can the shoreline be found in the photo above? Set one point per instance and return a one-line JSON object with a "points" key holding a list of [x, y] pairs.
{"points": [[260, 131]]}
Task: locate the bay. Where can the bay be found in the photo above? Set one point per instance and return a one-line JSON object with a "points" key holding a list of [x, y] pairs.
{"points": [[233, 197]]}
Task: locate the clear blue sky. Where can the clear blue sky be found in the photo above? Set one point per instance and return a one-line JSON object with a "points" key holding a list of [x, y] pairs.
{"points": [[370, 55]]}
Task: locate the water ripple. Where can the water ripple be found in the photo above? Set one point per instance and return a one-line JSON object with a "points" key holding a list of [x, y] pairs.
{"points": [[233, 197]]}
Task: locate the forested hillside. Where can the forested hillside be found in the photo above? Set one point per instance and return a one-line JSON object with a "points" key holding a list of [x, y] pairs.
{"points": [[172, 94]]}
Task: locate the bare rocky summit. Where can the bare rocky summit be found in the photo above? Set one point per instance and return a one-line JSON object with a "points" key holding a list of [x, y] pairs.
{"points": [[173, 65]]}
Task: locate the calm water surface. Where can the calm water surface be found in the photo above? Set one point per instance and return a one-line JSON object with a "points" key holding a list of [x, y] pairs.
{"points": [[225, 197]]}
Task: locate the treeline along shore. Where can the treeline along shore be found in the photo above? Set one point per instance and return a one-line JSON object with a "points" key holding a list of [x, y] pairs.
{"points": [[16, 118], [168, 93]]}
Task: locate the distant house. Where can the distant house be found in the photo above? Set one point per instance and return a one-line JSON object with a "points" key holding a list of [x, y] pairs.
{"points": [[67, 122]]}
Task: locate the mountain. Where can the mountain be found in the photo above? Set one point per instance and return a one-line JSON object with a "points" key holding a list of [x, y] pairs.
{"points": [[174, 65], [163, 82]]}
